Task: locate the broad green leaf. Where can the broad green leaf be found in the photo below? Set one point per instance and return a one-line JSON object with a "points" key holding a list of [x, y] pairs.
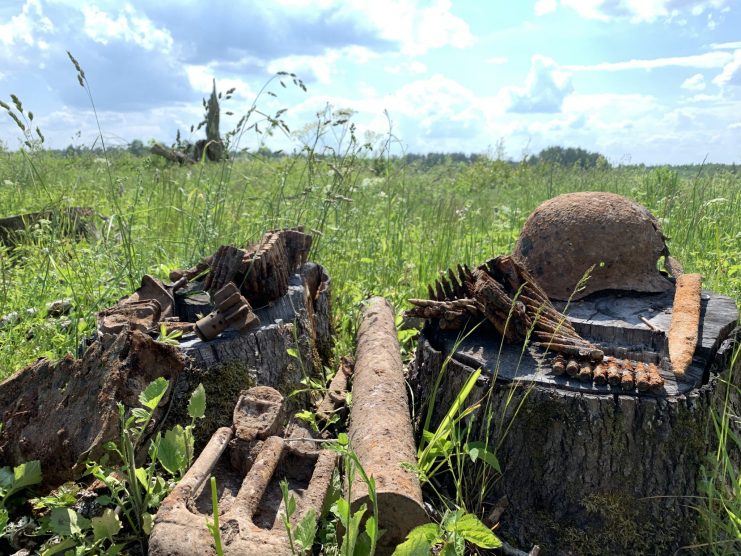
{"points": [[27, 474], [470, 528], [419, 541], [172, 450], [66, 522], [343, 511], [21, 476], [293, 352], [6, 478], [480, 450], [306, 530], [115, 549], [147, 522], [197, 403], [141, 474], [152, 395], [107, 525], [59, 547]]}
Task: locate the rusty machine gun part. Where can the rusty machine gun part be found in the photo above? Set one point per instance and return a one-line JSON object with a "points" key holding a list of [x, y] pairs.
{"points": [[232, 310], [260, 271], [685, 322], [250, 503], [502, 291], [380, 429]]}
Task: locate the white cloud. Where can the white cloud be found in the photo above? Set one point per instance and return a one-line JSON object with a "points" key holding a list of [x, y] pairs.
{"points": [[321, 68], [543, 7], [694, 83], [707, 60], [725, 45], [413, 67], [128, 26], [731, 74], [416, 26], [24, 27], [636, 11], [546, 87], [201, 79]]}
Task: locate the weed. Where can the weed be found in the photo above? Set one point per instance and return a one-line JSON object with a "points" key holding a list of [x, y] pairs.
{"points": [[449, 537], [214, 526]]}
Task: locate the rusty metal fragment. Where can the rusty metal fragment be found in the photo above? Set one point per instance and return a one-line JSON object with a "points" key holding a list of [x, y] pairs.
{"points": [[683, 330], [380, 426], [232, 311], [559, 365], [141, 311], [572, 367], [585, 373], [261, 270], [336, 395], [502, 291], [250, 502]]}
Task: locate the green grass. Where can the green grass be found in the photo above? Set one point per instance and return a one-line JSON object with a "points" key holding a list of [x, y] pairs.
{"points": [[381, 228]]}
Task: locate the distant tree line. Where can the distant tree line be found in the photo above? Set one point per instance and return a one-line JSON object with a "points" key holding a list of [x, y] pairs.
{"points": [[570, 156], [555, 155]]}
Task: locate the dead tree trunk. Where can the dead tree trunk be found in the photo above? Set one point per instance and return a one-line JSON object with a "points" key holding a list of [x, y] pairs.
{"points": [[587, 468]]}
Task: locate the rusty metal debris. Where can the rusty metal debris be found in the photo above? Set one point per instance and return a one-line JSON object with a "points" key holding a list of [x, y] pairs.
{"points": [[232, 311], [143, 310], [503, 292], [261, 270], [627, 373], [380, 427], [238, 280], [336, 396], [683, 330], [248, 460]]}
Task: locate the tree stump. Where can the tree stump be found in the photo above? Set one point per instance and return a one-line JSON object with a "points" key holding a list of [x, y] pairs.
{"points": [[590, 469], [63, 412], [293, 341]]}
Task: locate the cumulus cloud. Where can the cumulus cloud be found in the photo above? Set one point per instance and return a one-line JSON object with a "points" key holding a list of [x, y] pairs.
{"points": [[26, 29], [694, 83], [127, 25], [546, 87], [731, 74], [320, 68]]}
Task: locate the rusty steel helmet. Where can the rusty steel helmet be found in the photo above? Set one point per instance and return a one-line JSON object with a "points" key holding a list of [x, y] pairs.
{"points": [[568, 234]]}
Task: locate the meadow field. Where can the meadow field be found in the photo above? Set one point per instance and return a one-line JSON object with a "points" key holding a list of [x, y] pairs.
{"points": [[382, 226]]}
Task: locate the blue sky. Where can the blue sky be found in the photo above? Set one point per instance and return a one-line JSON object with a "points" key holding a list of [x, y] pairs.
{"points": [[653, 81]]}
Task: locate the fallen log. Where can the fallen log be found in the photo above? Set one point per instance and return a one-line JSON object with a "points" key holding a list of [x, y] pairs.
{"points": [[69, 222], [171, 154]]}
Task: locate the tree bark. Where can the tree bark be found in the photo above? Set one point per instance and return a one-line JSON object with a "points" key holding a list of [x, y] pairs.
{"points": [[590, 469]]}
